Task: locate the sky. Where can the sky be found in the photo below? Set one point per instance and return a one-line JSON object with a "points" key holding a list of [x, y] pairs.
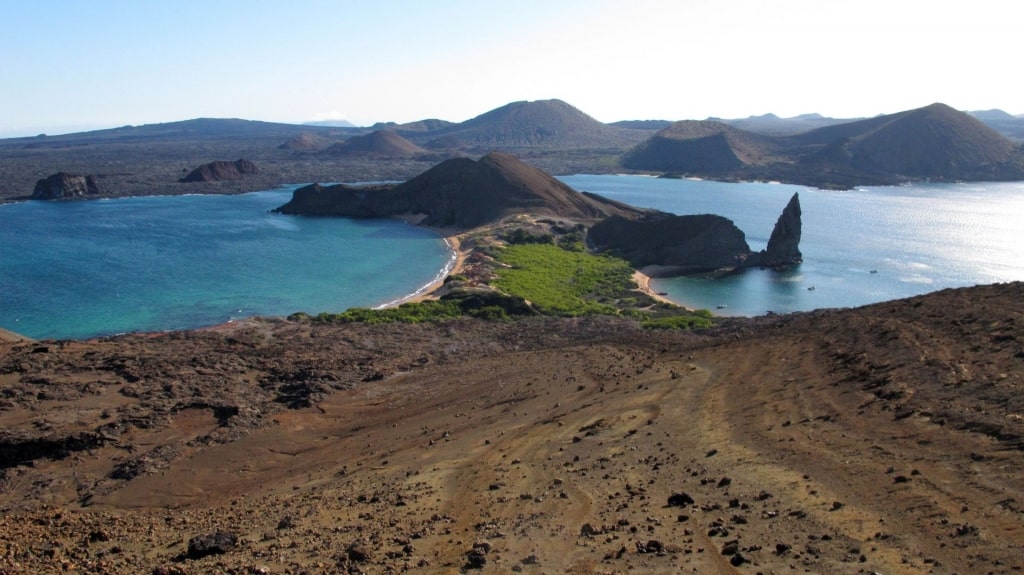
{"points": [[74, 65]]}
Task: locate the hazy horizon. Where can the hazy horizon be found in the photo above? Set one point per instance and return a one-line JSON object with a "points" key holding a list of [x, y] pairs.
{"points": [[80, 67], [63, 130]]}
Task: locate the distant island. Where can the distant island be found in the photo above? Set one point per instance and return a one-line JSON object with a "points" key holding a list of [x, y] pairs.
{"points": [[933, 143]]}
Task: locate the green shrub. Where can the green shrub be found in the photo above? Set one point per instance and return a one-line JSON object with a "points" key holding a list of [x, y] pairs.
{"points": [[695, 320]]}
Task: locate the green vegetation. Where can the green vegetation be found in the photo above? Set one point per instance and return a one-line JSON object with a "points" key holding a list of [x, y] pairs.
{"points": [[566, 283], [536, 275], [406, 313], [699, 319], [491, 306]]}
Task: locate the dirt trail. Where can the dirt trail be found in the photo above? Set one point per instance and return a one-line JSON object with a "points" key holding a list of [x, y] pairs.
{"points": [[885, 439]]}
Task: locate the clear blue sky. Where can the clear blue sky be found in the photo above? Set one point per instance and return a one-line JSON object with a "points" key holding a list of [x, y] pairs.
{"points": [[81, 64]]}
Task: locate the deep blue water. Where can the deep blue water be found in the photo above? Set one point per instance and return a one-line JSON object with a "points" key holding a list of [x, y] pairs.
{"points": [[81, 269], [916, 239]]}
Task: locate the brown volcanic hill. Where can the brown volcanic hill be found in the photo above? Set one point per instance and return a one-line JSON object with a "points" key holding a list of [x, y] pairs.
{"points": [[305, 142], [935, 142], [221, 170], [384, 143], [545, 124], [700, 147], [461, 193], [883, 439]]}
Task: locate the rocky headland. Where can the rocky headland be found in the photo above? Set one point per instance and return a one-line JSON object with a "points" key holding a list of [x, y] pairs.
{"points": [[665, 244]]}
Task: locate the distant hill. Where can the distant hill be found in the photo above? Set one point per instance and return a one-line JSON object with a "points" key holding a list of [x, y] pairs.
{"points": [[1005, 123], [545, 124], [305, 142], [772, 125], [653, 125], [429, 125], [700, 147], [935, 142], [462, 194], [196, 129], [330, 123], [221, 170], [383, 143]]}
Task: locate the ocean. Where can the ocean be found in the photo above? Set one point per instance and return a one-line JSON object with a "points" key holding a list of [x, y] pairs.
{"points": [[859, 246], [101, 267]]}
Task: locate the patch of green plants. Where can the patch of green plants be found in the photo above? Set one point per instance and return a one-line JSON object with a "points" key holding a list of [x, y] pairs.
{"points": [[563, 282], [699, 319]]}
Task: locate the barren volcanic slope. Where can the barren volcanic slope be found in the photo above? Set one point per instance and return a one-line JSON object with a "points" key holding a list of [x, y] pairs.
{"points": [[884, 439]]}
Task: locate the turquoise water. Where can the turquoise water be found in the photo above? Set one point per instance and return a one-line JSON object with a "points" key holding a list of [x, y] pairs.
{"points": [[82, 269], [860, 246]]}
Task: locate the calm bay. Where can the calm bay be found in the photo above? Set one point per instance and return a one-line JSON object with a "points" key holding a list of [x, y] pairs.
{"points": [[100, 267], [860, 246], [84, 269]]}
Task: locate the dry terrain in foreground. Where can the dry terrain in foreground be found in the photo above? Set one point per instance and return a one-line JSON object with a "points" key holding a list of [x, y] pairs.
{"points": [[885, 439]]}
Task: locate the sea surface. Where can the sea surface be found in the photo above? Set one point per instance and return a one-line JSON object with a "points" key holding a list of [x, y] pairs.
{"points": [[860, 246], [101, 267]]}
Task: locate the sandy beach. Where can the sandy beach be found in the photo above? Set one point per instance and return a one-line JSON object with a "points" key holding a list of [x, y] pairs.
{"points": [[11, 337]]}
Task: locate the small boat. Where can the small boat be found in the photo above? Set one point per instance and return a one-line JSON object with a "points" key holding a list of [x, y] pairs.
{"points": [[810, 288], [873, 271], [721, 306]]}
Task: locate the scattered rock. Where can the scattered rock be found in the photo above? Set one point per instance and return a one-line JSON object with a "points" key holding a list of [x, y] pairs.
{"points": [[680, 500]]}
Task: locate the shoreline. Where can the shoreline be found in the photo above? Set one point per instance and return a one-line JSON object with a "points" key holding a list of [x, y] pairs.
{"points": [[643, 281], [8, 336], [452, 267]]}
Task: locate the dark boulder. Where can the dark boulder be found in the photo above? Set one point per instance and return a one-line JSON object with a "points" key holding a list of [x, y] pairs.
{"points": [[221, 170], [680, 500], [64, 186], [211, 544]]}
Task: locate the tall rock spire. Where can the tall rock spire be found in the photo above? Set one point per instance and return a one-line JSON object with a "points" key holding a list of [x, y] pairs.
{"points": [[784, 244]]}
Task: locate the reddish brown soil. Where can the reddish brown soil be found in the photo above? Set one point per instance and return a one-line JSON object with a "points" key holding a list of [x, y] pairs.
{"points": [[883, 439]]}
